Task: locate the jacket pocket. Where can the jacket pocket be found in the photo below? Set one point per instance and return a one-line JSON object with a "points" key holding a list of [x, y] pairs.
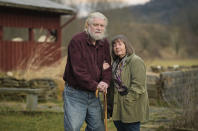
{"points": [[131, 97]]}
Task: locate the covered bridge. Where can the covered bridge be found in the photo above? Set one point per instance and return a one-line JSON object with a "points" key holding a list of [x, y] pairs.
{"points": [[30, 32]]}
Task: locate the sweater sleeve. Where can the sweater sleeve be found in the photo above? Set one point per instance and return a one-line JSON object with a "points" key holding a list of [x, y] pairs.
{"points": [[107, 74], [138, 72]]}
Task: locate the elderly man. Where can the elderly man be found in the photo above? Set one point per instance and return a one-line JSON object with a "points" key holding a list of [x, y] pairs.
{"points": [[86, 71]]}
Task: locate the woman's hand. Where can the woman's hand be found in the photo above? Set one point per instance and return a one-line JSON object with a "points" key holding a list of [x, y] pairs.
{"points": [[105, 65]]}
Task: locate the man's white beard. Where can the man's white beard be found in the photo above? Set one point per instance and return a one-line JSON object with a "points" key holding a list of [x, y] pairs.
{"points": [[96, 36]]}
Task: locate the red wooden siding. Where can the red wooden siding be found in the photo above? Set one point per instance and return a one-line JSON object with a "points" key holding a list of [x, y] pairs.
{"points": [[19, 55], [18, 18]]}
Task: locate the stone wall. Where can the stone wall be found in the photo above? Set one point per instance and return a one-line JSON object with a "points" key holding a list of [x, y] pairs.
{"points": [[48, 85]]}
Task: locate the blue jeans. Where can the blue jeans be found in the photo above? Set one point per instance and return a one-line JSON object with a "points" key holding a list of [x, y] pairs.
{"points": [[80, 106], [135, 126]]}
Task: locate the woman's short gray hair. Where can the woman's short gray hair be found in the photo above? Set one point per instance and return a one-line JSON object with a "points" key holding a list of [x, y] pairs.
{"points": [[129, 48], [94, 15]]}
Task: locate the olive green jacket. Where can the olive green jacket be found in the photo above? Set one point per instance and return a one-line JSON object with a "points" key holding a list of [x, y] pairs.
{"points": [[134, 106]]}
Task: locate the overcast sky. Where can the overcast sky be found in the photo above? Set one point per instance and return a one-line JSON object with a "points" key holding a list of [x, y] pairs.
{"points": [[83, 10], [134, 2], [131, 2]]}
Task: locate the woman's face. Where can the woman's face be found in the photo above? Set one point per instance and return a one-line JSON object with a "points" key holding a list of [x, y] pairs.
{"points": [[119, 48]]}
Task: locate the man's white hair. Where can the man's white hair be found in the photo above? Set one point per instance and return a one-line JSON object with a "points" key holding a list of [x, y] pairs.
{"points": [[94, 15]]}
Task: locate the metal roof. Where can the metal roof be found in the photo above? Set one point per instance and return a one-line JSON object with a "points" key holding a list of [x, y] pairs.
{"points": [[40, 5]]}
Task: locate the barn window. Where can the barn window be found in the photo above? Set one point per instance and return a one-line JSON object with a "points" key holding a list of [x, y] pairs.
{"points": [[45, 35], [15, 34]]}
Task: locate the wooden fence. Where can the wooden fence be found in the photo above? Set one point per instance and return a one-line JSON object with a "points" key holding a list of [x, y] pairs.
{"points": [[173, 86]]}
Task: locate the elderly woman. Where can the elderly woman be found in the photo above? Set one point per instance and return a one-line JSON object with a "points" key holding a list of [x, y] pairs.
{"points": [[130, 102]]}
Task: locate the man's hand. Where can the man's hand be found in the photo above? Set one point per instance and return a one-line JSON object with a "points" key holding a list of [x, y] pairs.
{"points": [[102, 86]]}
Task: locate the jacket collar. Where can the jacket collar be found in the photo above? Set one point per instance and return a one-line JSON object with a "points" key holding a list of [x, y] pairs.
{"points": [[125, 60], [129, 57]]}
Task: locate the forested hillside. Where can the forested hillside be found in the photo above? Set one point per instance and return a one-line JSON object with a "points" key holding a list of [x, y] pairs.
{"points": [[158, 29]]}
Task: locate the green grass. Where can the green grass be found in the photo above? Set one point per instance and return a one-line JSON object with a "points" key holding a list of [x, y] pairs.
{"points": [[36, 121], [23, 121]]}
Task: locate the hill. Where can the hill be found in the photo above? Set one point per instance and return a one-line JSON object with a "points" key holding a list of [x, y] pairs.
{"points": [[158, 29], [166, 11]]}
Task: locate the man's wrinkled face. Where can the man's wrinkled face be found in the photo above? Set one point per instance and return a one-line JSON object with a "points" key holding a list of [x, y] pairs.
{"points": [[97, 28]]}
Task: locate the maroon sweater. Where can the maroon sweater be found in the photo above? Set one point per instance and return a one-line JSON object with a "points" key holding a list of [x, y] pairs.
{"points": [[84, 63]]}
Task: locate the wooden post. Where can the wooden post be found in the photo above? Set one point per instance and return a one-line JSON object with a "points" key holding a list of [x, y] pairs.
{"points": [[32, 102], [31, 35], [1, 32], [58, 36]]}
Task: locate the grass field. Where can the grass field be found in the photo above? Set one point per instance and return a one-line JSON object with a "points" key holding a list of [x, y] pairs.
{"points": [[37, 121], [53, 121], [49, 120], [21, 121]]}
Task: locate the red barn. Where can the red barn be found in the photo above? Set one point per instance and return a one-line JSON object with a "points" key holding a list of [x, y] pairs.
{"points": [[30, 32]]}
